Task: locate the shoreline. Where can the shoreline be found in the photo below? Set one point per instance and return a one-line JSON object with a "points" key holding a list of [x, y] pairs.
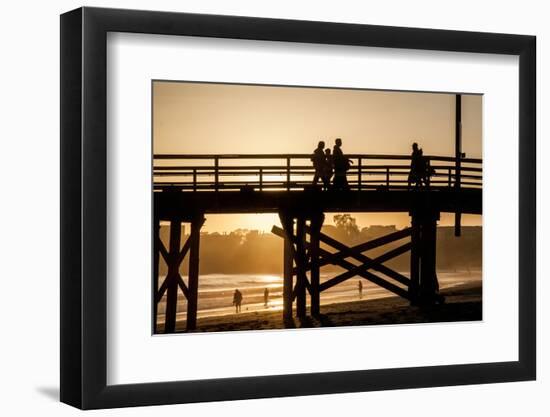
{"points": [[462, 303]]}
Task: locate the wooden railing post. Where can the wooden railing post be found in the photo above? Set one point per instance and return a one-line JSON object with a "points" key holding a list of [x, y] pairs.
{"points": [[216, 173], [194, 179], [288, 174], [359, 173], [388, 178], [261, 178]]}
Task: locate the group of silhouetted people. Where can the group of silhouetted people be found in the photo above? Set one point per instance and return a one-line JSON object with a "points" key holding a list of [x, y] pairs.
{"points": [[331, 166]]}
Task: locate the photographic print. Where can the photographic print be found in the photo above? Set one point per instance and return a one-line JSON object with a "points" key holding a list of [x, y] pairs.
{"points": [[288, 207]]}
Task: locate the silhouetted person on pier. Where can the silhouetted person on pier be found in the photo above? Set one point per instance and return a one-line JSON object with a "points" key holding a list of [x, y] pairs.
{"points": [[327, 169], [318, 159], [266, 297], [360, 288], [417, 166], [341, 165], [237, 300]]}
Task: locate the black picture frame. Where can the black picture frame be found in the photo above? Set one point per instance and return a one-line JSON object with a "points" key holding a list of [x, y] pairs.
{"points": [[84, 207]]}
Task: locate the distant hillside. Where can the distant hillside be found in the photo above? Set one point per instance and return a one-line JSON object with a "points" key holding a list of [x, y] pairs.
{"points": [[244, 251]]}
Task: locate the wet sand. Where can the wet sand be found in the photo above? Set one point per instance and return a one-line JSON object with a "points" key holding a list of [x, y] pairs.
{"points": [[462, 303]]}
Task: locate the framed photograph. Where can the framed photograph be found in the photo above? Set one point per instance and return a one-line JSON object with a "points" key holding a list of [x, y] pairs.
{"points": [[257, 208]]}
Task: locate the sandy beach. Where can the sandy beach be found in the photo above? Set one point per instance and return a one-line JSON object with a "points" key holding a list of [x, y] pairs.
{"points": [[462, 303]]}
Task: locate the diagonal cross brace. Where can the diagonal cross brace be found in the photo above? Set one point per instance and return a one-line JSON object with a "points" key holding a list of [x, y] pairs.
{"points": [[179, 257], [355, 252], [376, 264], [353, 270]]}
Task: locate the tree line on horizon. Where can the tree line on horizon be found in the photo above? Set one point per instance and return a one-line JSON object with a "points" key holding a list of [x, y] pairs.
{"points": [[251, 251]]}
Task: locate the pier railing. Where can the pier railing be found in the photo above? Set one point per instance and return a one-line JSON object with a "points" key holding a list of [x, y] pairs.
{"points": [[272, 172]]}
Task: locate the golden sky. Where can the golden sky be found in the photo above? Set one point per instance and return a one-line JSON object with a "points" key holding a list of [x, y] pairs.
{"points": [[191, 118]]}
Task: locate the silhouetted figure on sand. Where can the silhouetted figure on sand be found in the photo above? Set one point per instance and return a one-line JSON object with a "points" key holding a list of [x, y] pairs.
{"points": [[341, 165], [318, 159], [237, 300], [360, 288], [328, 169], [266, 297]]}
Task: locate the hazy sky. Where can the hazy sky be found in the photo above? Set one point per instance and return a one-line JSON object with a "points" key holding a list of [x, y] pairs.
{"points": [[191, 118]]}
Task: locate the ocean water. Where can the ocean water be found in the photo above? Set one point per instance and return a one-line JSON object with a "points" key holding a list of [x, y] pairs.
{"points": [[216, 292]]}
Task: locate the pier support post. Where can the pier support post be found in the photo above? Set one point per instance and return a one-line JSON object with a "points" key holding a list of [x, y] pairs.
{"points": [[172, 277], [156, 269], [428, 277], [315, 229], [288, 226], [193, 283], [300, 266], [424, 286], [415, 261]]}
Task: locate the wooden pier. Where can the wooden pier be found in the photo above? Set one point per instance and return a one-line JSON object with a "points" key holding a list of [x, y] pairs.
{"points": [[189, 187]]}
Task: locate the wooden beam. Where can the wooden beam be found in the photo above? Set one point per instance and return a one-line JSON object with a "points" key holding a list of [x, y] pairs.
{"points": [[162, 250], [315, 230], [371, 244], [183, 287], [193, 283], [171, 281], [300, 266], [345, 251], [458, 157], [428, 277], [361, 270], [415, 260], [295, 271], [376, 264], [162, 289], [374, 279], [288, 225], [156, 270]]}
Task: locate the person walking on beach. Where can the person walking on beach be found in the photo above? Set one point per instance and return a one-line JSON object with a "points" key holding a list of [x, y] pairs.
{"points": [[327, 169], [266, 297], [237, 300], [341, 165], [360, 288], [318, 159]]}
